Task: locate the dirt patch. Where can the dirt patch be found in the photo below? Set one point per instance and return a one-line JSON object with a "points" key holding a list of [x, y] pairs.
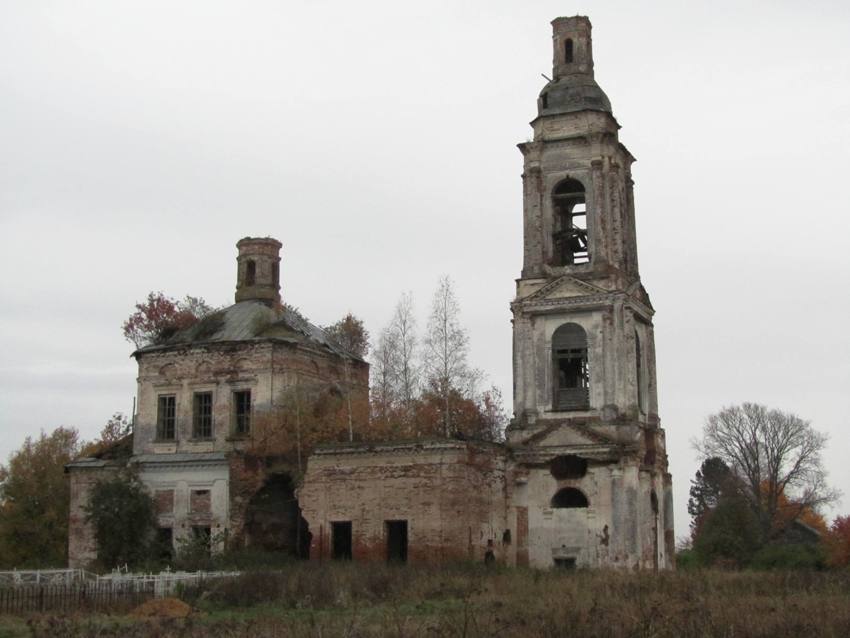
{"points": [[162, 608]]}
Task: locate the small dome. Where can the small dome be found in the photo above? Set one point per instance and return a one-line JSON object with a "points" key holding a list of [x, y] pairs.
{"points": [[572, 93]]}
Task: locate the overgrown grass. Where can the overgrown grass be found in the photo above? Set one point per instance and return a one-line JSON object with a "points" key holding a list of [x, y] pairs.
{"points": [[356, 600]]}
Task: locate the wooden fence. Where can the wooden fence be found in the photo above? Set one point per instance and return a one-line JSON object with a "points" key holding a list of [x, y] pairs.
{"points": [[89, 596]]}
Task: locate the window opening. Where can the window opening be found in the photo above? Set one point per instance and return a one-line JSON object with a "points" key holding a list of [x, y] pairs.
{"points": [[276, 273], [242, 412], [569, 240], [250, 272], [571, 370], [565, 563], [166, 417], [569, 497], [649, 445], [568, 51], [397, 541], [202, 416], [341, 540], [568, 466], [544, 100]]}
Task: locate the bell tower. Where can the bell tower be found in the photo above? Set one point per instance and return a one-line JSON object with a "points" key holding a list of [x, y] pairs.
{"points": [[583, 341]]}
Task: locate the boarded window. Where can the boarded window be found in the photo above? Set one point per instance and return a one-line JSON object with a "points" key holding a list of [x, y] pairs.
{"points": [[166, 417], [242, 412], [571, 371], [200, 502], [569, 238], [202, 415], [341, 540], [569, 497], [164, 501]]}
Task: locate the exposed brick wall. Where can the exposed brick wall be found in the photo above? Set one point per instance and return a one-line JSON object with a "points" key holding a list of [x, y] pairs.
{"points": [[452, 495], [82, 548], [270, 370], [247, 475]]}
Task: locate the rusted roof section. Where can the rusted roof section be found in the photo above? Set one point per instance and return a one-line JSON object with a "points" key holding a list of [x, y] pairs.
{"points": [[251, 321]]}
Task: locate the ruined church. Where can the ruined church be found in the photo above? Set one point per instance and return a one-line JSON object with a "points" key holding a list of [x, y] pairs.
{"points": [[582, 479]]}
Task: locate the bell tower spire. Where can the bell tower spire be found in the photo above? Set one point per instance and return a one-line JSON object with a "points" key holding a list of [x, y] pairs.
{"points": [[584, 353]]}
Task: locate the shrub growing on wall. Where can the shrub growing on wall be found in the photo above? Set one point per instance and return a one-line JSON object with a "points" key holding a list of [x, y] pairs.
{"points": [[123, 517]]}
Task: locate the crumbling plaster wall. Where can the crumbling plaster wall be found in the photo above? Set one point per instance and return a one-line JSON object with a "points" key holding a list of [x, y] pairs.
{"points": [[453, 495], [174, 483], [614, 384], [617, 529]]}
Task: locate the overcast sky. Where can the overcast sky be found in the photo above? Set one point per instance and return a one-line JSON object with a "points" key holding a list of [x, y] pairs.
{"points": [[140, 140]]}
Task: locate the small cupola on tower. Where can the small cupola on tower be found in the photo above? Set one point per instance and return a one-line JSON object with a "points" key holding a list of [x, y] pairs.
{"points": [[258, 270], [573, 87], [573, 52]]}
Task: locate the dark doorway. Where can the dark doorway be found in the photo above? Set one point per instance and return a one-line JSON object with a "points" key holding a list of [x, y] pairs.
{"points": [[202, 537], [273, 520], [341, 540], [397, 541], [165, 543]]}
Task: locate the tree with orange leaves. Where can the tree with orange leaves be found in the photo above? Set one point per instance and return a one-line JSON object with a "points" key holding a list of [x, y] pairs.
{"points": [[838, 542], [160, 316]]}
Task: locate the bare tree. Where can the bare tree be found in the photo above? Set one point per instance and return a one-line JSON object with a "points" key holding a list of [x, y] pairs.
{"points": [[382, 372], [446, 348], [776, 455], [402, 334]]}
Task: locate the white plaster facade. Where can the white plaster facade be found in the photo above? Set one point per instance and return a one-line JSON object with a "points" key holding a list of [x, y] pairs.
{"points": [[628, 520]]}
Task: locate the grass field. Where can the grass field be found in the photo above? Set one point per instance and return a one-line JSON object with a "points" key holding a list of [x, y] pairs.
{"points": [[354, 600]]}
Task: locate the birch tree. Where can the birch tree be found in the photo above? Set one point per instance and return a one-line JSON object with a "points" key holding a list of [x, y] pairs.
{"points": [[382, 373], [402, 335], [446, 349]]}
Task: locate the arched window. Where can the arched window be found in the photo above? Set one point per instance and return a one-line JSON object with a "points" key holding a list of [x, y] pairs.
{"points": [[571, 373], [568, 51], [569, 238], [638, 372], [569, 497], [250, 272]]}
